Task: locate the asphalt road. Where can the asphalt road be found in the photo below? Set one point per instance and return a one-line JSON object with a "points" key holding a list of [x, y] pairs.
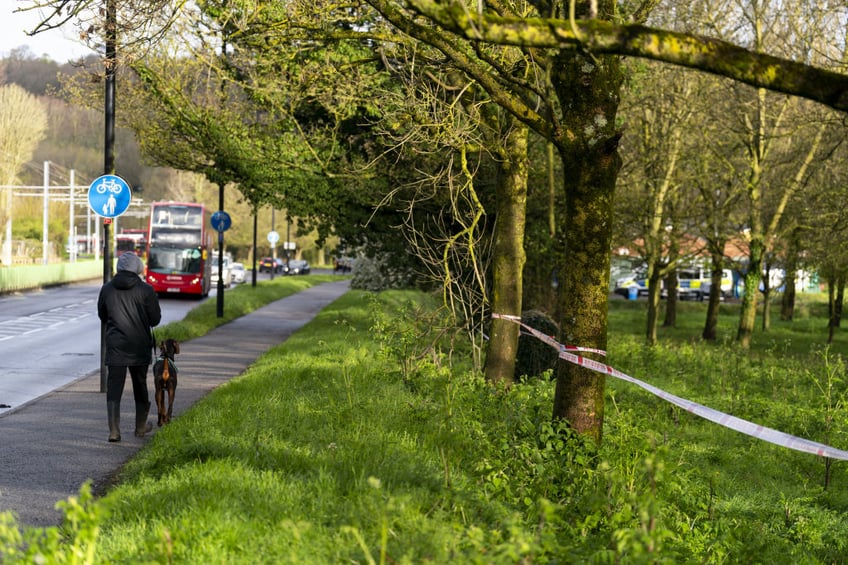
{"points": [[51, 337]]}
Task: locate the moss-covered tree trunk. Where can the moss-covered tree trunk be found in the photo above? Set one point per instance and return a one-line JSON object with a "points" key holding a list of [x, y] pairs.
{"points": [[588, 88], [757, 245], [748, 313], [508, 256]]}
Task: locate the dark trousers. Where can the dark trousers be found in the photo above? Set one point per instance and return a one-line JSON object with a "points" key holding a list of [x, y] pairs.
{"points": [[116, 378]]}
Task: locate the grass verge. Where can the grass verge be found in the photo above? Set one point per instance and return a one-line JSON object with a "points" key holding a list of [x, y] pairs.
{"points": [[239, 300]]}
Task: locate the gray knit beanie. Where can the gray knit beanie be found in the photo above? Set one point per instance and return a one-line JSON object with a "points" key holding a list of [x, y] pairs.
{"points": [[129, 261]]}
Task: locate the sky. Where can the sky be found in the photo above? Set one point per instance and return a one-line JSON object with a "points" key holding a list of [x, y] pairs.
{"points": [[57, 44]]}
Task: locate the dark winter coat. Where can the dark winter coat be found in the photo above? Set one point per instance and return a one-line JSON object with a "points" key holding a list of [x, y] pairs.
{"points": [[129, 307]]}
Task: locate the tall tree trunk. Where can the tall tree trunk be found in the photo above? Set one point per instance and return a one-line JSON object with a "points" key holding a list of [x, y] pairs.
{"points": [[831, 306], [787, 301], [716, 274], [552, 186], [654, 282], [671, 296], [766, 321], [761, 234], [748, 313], [757, 247], [589, 88], [508, 256], [584, 289], [661, 191]]}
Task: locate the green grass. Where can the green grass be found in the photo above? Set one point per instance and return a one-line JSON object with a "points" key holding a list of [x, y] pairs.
{"points": [[346, 445], [238, 301], [808, 330]]}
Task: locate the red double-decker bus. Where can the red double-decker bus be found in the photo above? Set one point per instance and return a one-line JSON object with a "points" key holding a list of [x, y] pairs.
{"points": [[131, 240], [179, 249]]}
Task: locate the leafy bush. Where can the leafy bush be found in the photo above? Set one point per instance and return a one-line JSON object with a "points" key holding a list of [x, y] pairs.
{"points": [[74, 542], [375, 274]]}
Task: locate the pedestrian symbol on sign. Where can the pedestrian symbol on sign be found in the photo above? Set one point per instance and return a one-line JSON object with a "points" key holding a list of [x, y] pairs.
{"points": [[109, 207], [221, 221]]}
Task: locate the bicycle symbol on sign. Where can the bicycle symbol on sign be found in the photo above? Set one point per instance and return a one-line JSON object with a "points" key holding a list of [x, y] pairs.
{"points": [[114, 188], [108, 184]]}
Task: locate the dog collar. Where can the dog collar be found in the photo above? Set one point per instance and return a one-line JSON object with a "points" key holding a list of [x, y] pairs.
{"points": [[167, 360]]}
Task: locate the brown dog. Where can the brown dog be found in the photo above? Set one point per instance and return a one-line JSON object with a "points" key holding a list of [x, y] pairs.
{"points": [[165, 378]]}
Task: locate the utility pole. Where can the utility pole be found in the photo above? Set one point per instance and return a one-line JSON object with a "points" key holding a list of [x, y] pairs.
{"points": [[273, 246], [7, 240], [288, 239], [219, 298], [45, 214], [72, 234], [108, 157], [255, 227], [109, 122]]}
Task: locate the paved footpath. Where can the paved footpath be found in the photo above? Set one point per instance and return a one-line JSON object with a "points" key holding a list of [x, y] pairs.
{"points": [[52, 445]]}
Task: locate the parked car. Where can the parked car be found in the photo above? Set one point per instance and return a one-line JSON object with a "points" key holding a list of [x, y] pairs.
{"points": [[298, 267], [237, 273], [271, 265], [225, 271]]}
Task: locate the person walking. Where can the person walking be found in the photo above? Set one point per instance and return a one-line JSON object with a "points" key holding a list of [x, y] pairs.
{"points": [[129, 308]]}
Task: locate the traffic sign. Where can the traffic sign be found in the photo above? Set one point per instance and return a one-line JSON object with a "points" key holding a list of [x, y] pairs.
{"points": [[109, 196], [273, 237], [221, 221]]}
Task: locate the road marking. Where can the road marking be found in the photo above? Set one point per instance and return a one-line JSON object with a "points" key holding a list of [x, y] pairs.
{"points": [[53, 318]]}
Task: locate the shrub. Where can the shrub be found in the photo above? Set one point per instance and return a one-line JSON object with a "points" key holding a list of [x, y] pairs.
{"points": [[374, 274]]}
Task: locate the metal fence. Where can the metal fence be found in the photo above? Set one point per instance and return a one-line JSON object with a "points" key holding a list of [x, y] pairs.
{"points": [[27, 277]]}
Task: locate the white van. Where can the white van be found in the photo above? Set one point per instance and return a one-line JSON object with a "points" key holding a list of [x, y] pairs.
{"points": [[694, 283], [225, 269]]}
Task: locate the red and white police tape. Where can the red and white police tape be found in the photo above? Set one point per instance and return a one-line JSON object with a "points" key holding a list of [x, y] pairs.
{"points": [[566, 352]]}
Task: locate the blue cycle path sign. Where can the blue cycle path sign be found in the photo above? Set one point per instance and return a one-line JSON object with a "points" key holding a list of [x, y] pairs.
{"points": [[221, 221], [109, 196]]}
